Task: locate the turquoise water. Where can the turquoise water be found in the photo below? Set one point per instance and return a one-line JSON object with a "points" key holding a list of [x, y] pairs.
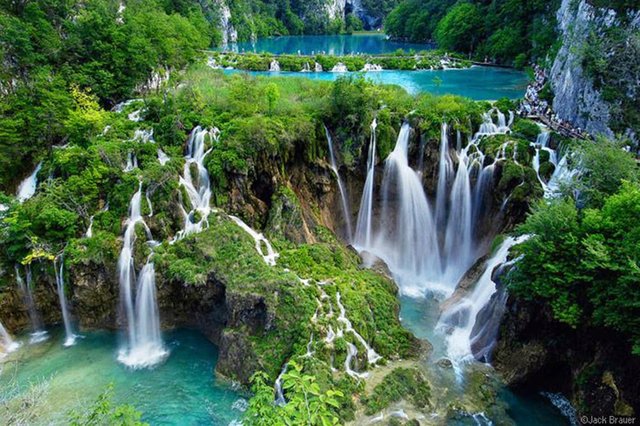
{"points": [[181, 391], [420, 316], [479, 83], [329, 44]]}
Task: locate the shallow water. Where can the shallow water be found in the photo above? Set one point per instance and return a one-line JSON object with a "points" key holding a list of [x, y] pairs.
{"points": [[183, 390], [329, 44], [478, 83], [420, 316]]}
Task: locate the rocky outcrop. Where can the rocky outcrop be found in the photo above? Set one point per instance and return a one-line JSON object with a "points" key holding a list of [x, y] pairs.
{"points": [[577, 99], [593, 367], [229, 33]]}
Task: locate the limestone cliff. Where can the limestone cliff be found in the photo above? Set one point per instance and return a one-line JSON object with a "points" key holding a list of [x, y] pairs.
{"points": [[595, 75]]}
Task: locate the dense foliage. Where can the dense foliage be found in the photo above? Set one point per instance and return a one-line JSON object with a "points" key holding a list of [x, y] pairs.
{"points": [[50, 51], [583, 256], [512, 32]]}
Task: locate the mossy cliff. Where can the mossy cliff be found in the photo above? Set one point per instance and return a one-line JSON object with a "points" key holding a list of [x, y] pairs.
{"points": [[316, 308]]}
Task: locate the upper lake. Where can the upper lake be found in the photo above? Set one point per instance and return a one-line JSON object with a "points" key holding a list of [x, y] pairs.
{"points": [[374, 44]]}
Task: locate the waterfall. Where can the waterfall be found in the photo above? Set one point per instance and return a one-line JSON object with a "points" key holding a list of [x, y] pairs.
{"points": [[162, 157], [371, 68], [70, 338], [462, 315], [28, 186], [7, 344], [458, 250], [280, 399], [38, 334], [445, 171], [132, 162], [407, 240], [317, 67], [425, 252], [339, 67], [352, 352], [270, 256], [89, 232], [199, 192], [343, 194], [365, 214], [274, 66], [144, 346]]}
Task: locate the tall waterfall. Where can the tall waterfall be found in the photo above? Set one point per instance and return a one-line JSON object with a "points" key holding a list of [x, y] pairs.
{"points": [[461, 316], [70, 338], [144, 347], [406, 239], [199, 192], [429, 250], [346, 212], [362, 236], [445, 171], [28, 186], [7, 344], [38, 334]]}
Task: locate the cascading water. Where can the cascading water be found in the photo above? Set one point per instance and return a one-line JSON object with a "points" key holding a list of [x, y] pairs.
{"points": [[261, 242], [445, 171], [274, 66], [460, 318], [144, 347], [70, 338], [343, 194], [363, 233], [426, 254], [28, 186], [7, 344], [406, 240], [163, 158], [199, 192], [38, 334], [459, 252]]}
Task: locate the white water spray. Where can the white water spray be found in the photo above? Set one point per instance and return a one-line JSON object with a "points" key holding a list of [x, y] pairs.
{"points": [[198, 191], [27, 187], [346, 212], [144, 347], [364, 226], [462, 315], [38, 334], [70, 337]]}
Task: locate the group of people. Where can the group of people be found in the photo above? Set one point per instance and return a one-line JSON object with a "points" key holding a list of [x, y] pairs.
{"points": [[533, 105]]}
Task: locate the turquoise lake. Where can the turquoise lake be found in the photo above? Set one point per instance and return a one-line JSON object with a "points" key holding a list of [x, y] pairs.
{"points": [[478, 83], [181, 391], [329, 44]]}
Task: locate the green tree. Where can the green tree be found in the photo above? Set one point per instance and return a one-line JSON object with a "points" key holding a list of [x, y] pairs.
{"points": [[460, 29]]}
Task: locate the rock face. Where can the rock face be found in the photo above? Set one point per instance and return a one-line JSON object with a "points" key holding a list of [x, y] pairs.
{"points": [[593, 367], [229, 33], [577, 100]]}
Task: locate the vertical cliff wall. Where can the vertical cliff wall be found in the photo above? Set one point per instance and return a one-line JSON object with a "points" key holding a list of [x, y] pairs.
{"points": [[596, 73]]}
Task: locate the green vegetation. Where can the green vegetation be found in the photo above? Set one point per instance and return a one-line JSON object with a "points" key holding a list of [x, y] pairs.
{"points": [[308, 404], [50, 53], [611, 60], [401, 383], [103, 412], [397, 61], [582, 258], [513, 32]]}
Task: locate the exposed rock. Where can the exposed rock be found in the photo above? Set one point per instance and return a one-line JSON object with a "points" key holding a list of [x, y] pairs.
{"points": [[576, 99], [593, 367]]}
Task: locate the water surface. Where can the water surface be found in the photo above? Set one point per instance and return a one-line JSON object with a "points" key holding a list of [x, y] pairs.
{"points": [[420, 316], [478, 83], [374, 44], [183, 390]]}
